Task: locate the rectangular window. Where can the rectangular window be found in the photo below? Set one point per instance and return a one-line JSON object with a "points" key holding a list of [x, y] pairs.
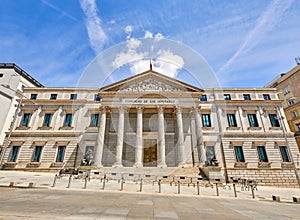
{"points": [[284, 154], [266, 97], [291, 101], [13, 155], [295, 114], [53, 96], [68, 121], [73, 96], [97, 98], [239, 154], [206, 120], [33, 96], [274, 120], [286, 90], [203, 98], [252, 120], [227, 97], [247, 97], [94, 120], [262, 154], [36, 156], [47, 120], [60, 154], [231, 120], [26, 118]]}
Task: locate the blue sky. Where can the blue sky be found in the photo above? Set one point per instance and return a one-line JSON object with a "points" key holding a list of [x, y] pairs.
{"points": [[246, 43]]}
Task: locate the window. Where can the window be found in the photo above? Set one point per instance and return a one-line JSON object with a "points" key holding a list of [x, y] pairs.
{"points": [[53, 96], [286, 90], [1, 75], [47, 120], [68, 121], [262, 155], [25, 121], [247, 97], [252, 120], [97, 98], [13, 155], [284, 154], [73, 96], [291, 101], [203, 98], [60, 154], [231, 120], [227, 97], [266, 97], [36, 156], [94, 120], [33, 96], [206, 120], [295, 114], [274, 120], [239, 154]]}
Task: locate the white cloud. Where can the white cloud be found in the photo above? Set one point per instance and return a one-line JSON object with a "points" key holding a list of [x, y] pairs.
{"points": [[148, 34], [266, 22], [140, 66], [128, 30], [158, 37], [96, 33], [168, 63]]}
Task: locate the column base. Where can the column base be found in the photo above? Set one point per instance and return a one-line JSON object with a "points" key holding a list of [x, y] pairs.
{"points": [[162, 165], [117, 164], [138, 165]]}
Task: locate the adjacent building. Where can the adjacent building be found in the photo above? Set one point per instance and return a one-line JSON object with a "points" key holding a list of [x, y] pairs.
{"points": [[151, 120], [288, 85], [13, 80]]}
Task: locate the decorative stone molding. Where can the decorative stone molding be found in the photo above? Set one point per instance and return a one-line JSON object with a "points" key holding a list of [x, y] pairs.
{"points": [[151, 85], [57, 164], [33, 164], [240, 164], [264, 164], [287, 165], [22, 128]]}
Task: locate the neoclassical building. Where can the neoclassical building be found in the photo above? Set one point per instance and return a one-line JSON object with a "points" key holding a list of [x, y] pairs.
{"points": [[151, 120]]}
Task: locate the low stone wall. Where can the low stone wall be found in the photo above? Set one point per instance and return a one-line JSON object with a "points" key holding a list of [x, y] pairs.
{"points": [[267, 177]]}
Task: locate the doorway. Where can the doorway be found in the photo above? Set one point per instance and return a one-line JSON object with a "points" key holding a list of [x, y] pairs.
{"points": [[150, 152]]}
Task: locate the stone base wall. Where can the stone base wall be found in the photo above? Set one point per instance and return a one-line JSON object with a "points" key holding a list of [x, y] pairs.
{"points": [[267, 177]]}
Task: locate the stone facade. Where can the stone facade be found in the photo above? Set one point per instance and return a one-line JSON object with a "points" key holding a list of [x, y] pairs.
{"points": [[151, 120]]}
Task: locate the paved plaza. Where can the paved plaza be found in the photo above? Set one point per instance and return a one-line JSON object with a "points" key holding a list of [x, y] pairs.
{"points": [[44, 201]]}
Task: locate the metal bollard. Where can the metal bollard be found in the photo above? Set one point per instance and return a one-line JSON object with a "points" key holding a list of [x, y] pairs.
{"points": [[198, 188], [217, 189], [234, 190], [252, 190], [69, 183], [141, 185], [159, 186], [122, 183], [54, 181], [103, 184], [85, 182], [178, 190]]}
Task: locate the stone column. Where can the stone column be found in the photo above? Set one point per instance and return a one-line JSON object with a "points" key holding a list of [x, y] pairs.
{"points": [[100, 139], [199, 135], [120, 134], [161, 138], [180, 142], [139, 138]]}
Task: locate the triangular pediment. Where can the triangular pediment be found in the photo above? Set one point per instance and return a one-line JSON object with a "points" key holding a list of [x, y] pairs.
{"points": [[150, 81]]}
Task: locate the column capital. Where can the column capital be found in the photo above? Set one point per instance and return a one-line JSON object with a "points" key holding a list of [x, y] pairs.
{"points": [[178, 109], [139, 109], [160, 109], [103, 109], [122, 108]]}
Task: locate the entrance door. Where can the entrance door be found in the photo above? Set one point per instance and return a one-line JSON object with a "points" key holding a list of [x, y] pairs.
{"points": [[150, 152]]}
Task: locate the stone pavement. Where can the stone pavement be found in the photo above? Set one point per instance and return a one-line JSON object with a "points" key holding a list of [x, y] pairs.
{"points": [[93, 202]]}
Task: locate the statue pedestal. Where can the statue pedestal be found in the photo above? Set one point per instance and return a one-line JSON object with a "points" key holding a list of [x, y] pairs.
{"points": [[212, 172]]}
